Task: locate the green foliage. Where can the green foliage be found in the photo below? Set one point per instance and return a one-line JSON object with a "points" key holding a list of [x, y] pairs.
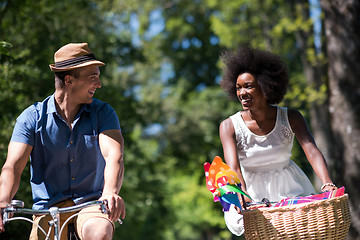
{"points": [[194, 209], [4, 51]]}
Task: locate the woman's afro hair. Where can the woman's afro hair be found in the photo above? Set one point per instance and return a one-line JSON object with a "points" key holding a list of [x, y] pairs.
{"points": [[267, 68]]}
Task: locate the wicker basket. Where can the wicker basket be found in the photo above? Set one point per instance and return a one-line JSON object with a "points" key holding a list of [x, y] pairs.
{"points": [[324, 219]]}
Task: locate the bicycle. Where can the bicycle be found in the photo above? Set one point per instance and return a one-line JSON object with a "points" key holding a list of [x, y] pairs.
{"points": [[17, 207]]}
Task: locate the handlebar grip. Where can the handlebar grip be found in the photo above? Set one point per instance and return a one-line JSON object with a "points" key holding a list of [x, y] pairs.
{"points": [[4, 216]]}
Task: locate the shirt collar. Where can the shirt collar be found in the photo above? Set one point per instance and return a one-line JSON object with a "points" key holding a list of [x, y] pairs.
{"points": [[51, 108], [51, 105]]}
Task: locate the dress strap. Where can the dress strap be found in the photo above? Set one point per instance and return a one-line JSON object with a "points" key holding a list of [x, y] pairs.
{"points": [[239, 130], [285, 125]]}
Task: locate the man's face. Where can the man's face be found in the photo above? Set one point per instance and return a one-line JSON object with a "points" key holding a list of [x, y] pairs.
{"points": [[85, 85]]}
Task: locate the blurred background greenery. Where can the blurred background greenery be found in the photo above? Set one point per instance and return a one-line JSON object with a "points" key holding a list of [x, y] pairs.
{"points": [[162, 77]]}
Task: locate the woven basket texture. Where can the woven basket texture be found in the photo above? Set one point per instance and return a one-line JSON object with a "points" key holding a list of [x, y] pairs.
{"points": [[324, 219]]}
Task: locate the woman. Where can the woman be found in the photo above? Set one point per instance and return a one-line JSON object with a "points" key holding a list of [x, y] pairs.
{"points": [[257, 141]]}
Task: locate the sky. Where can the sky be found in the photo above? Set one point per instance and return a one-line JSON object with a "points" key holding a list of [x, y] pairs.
{"points": [[315, 14]]}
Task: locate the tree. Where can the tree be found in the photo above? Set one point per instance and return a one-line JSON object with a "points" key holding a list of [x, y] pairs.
{"points": [[313, 61], [342, 21]]}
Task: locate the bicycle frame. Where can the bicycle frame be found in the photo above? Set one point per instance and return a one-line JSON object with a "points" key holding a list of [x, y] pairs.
{"points": [[17, 206]]}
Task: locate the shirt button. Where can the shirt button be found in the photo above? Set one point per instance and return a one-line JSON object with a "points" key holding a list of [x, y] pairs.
{"points": [[73, 178], [72, 160], [71, 142]]}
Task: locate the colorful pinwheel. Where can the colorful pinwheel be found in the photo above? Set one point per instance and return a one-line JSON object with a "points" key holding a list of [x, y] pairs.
{"points": [[223, 183]]}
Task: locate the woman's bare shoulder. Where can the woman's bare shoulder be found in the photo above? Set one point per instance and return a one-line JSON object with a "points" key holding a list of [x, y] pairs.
{"points": [[227, 126]]}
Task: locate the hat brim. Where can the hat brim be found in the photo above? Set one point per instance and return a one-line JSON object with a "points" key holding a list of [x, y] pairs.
{"points": [[94, 62]]}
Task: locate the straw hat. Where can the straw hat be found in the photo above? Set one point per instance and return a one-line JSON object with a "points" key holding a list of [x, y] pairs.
{"points": [[74, 55]]}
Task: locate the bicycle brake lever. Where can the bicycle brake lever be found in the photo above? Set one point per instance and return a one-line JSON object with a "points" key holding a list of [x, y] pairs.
{"points": [[5, 215], [266, 201], [104, 207]]}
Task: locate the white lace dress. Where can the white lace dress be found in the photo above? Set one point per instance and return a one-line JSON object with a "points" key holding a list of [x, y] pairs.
{"points": [[266, 165]]}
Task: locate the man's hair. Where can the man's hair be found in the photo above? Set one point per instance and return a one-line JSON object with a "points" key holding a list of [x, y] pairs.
{"points": [[267, 68], [60, 77]]}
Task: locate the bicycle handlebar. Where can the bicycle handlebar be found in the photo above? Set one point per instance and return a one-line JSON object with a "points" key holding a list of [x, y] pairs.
{"points": [[17, 207], [103, 205]]}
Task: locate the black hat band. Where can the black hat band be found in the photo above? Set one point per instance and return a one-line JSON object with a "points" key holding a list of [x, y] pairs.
{"points": [[75, 61]]}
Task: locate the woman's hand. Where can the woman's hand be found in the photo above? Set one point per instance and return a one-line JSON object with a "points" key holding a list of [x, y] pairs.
{"points": [[242, 198], [328, 187]]}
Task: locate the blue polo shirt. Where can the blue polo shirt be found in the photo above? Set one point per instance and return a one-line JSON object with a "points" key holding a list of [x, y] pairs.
{"points": [[65, 163]]}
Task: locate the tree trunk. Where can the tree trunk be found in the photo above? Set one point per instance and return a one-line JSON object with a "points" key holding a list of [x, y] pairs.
{"points": [[315, 74], [342, 28]]}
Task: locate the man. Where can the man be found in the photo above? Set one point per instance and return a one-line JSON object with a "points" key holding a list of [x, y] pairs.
{"points": [[75, 147]]}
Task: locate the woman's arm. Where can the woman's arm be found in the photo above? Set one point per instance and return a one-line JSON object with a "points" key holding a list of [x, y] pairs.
{"points": [[228, 141], [307, 142]]}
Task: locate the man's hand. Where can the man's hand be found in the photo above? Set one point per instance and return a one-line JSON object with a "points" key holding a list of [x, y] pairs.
{"points": [[116, 206], [2, 206]]}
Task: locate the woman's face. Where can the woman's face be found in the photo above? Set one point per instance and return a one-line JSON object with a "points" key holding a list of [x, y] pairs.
{"points": [[249, 92]]}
